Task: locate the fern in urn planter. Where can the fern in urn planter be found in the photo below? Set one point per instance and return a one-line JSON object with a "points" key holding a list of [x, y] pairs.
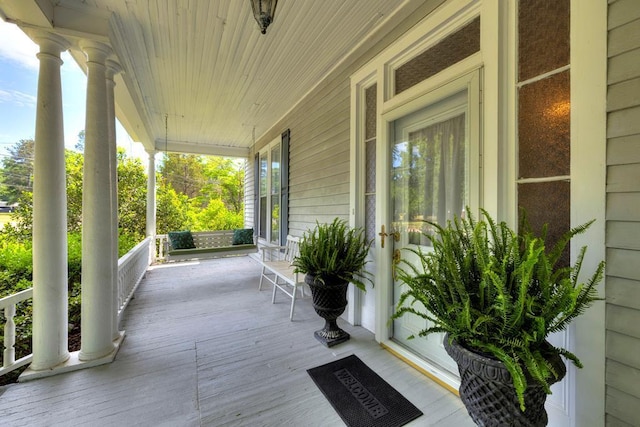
{"points": [[498, 294], [331, 256]]}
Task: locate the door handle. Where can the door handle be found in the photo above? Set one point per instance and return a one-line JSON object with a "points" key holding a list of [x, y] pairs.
{"points": [[382, 235], [396, 260]]}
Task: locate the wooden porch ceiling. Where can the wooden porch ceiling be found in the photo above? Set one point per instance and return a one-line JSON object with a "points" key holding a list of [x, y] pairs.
{"points": [[204, 347], [198, 75]]}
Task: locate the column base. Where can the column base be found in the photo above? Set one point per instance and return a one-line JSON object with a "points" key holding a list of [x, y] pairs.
{"points": [[73, 363]]}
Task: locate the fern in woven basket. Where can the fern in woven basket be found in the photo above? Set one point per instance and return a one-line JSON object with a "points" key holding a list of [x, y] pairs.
{"points": [[334, 251], [499, 292]]}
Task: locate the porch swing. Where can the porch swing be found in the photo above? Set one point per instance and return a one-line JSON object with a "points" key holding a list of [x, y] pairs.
{"points": [[188, 245]]}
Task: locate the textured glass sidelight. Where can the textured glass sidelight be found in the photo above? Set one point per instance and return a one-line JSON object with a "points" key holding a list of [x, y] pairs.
{"points": [[370, 112], [370, 162], [370, 166], [370, 216], [454, 48], [543, 37], [547, 203], [544, 118]]}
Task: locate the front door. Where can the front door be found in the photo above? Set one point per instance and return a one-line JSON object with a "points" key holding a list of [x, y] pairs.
{"points": [[429, 181]]}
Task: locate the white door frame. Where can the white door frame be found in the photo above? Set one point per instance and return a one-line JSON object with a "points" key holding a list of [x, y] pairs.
{"points": [[384, 291]]}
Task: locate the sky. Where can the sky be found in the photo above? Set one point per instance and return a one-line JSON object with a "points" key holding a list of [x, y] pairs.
{"points": [[18, 90]]}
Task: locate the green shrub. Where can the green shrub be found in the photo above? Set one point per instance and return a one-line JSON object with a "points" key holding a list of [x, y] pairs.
{"points": [[16, 274], [16, 266]]}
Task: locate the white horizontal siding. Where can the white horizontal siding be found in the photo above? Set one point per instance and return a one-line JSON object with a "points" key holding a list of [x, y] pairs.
{"points": [[623, 215], [623, 406], [623, 292], [623, 206], [624, 320], [622, 12], [623, 349], [623, 178], [319, 169], [624, 122], [623, 235], [624, 94], [623, 150], [627, 377]]}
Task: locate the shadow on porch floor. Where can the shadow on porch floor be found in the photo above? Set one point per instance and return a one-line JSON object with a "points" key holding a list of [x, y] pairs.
{"points": [[204, 348]]}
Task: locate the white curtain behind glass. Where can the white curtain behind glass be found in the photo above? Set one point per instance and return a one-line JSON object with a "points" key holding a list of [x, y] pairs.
{"points": [[437, 182]]}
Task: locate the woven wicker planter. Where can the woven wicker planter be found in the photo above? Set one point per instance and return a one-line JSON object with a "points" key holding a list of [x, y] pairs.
{"points": [[329, 301], [487, 391]]}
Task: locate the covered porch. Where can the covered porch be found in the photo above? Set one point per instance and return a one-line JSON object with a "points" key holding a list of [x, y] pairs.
{"points": [[205, 347], [313, 106]]}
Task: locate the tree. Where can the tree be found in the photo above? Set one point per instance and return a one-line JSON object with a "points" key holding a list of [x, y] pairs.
{"points": [[214, 217], [74, 165], [171, 209], [80, 144], [184, 172], [17, 170], [132, 195], [194, 192], [225, 181]]}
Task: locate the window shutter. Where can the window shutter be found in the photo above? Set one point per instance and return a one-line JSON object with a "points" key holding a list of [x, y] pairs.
{"points": [[256, 194], [284, 186]]}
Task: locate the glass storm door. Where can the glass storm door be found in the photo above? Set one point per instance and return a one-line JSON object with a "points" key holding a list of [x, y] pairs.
{"points": [[429, 181]]}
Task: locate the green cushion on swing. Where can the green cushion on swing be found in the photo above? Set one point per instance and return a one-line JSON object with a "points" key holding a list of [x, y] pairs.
{"points": [[181, 240], [242, 236]]}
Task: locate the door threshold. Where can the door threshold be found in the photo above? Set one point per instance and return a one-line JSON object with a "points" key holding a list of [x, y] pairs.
{"points": [[438, 375]]}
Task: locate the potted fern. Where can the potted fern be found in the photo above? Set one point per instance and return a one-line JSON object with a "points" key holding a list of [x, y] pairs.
{"points": [[497, 295], [331, 256]]}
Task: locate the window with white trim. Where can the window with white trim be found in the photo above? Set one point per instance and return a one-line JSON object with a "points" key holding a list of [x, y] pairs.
{"points": [[272, 190]]}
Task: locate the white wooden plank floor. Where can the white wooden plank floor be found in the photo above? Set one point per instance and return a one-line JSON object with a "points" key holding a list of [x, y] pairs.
{"points": [[204, 348]]}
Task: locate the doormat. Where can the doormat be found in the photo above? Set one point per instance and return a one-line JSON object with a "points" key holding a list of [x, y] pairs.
{"points": [[360, 396]]}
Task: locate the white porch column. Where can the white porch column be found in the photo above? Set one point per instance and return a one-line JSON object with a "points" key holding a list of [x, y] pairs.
{"points": [[151, 194], [50, 304], [113, 68], [97, 228]]}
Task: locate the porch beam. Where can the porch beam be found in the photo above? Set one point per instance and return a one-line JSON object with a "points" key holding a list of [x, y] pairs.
{"points": [[201, 148]]}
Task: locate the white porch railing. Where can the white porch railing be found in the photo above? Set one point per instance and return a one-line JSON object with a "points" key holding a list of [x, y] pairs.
{"points": [[131, 269], [8, 308], [161, 244]]}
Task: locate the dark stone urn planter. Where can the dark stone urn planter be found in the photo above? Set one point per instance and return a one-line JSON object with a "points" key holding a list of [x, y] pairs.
{"points": [[487, 391], [329, 301]]}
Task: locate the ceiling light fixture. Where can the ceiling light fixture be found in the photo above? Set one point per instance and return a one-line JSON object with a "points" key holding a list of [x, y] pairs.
{"points": [[263, 11]]}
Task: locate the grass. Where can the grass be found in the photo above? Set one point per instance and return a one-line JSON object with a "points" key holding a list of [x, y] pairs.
{"points": [[5, 217]]}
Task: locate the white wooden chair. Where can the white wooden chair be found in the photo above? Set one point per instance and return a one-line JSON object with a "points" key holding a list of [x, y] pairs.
{"points": [[277, 270]]}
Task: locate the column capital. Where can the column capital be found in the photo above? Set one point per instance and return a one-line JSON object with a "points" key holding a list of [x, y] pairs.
{"points": [[49, 43], [96, 52], [113, 68]]}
